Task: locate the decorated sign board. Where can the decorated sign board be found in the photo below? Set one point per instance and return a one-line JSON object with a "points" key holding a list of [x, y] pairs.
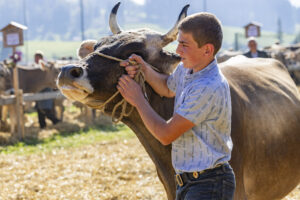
{"points": [[252, 29], [13, 34]]}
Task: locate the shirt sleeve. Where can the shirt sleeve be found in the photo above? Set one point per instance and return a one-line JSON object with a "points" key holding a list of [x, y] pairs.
{"points": [[199, 104], [173, 79]]}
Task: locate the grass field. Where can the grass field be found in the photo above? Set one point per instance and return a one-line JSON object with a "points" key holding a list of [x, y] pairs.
{"points": [[52, 50], [69, 139]]}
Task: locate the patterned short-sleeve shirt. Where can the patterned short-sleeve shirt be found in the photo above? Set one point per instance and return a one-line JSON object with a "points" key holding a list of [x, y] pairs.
{"points": [[204, 99]]}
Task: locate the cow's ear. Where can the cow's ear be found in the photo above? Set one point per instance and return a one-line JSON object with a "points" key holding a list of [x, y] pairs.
{"points": [[86, 47]]}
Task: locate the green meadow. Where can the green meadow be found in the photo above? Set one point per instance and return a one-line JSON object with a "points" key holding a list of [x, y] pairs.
{"points": [[65, 140]]}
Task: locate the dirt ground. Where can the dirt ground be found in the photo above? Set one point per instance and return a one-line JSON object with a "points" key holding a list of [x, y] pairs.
{"points": [[114, 170]]}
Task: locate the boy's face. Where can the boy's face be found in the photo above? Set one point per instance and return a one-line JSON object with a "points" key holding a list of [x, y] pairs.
{"points": [[191, 55]]}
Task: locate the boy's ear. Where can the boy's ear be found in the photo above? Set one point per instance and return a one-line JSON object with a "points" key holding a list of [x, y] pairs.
{"points": [[86, 47], [209, 49]]}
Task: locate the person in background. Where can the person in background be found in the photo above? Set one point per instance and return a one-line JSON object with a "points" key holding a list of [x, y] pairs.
{"points": [[253, 51], [45, 108], [39, 59]]}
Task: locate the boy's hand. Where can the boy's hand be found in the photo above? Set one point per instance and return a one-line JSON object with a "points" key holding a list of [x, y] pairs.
{"points": [[130, 90], [133, 69]]}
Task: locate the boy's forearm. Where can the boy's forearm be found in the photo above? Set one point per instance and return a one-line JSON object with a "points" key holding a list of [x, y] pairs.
{"points": [[154, 123], [158, 82]]}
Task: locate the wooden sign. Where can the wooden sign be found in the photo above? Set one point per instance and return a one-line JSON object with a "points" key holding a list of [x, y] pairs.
{"points": [[13, 34], [252, 29]]}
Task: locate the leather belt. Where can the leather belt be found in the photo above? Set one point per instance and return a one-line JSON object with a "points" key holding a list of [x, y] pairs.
{"points": [[182, 178]]}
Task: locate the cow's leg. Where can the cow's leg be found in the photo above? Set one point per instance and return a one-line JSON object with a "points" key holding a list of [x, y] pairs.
{"points": [[59, 104], [170, 193]]}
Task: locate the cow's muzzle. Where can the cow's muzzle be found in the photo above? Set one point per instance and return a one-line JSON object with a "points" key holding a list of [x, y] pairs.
{"points": [[72, 81], [72, 72]]}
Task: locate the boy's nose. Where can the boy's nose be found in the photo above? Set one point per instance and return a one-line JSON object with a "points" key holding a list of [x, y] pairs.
{"points": [[178, 50]]}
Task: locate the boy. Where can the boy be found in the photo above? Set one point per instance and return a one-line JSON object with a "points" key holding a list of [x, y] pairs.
{"points": [[200, 127]]}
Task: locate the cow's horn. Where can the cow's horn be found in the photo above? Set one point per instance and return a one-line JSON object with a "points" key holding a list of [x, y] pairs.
{"points": [[172, 34], [113, 24]]}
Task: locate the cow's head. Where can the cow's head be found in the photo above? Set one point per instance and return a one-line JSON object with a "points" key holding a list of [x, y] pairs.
{"points": [[93, 80], [51, 72]]}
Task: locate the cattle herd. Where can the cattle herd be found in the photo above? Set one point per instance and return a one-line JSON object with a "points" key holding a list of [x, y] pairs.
{"points": [[289, 55], [32, 79]]}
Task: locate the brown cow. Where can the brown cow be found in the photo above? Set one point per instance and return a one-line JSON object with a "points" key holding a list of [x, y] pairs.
{"points": [[265, 115], [34, 79]]}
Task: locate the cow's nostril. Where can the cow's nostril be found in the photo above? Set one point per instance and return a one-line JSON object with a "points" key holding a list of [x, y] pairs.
{"points": [[76, 72]]}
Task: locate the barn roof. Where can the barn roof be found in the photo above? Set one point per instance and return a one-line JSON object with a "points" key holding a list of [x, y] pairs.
{"points": [[253, 23]]}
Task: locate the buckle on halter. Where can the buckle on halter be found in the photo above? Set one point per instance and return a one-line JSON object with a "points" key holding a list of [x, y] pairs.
{"points": [[179, 180]]}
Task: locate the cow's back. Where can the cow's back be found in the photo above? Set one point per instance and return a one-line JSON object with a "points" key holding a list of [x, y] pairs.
{"points": [[265, 127], [32, 79]]}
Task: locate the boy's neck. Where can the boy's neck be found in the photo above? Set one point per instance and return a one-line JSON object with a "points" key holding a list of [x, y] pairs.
{"points": [[201, 66]]}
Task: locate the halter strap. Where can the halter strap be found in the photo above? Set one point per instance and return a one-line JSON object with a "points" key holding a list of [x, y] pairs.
{"points": [[139, 78]]}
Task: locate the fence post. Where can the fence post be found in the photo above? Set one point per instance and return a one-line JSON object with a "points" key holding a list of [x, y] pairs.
{"points": [[19, 101]]}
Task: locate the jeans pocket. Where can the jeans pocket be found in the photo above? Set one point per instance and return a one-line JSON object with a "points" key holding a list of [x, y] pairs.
{"points": [[200, 190], [228, 188]]}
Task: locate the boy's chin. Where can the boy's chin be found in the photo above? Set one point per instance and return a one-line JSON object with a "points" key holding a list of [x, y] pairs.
{"points": [[187, 66]]}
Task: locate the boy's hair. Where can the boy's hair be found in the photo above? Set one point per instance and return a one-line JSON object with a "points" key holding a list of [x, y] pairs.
{"points": [[205, 28]]}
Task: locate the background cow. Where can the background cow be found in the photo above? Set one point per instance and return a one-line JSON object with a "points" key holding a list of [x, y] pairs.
{"points": [[289, 56], [31, 80]]}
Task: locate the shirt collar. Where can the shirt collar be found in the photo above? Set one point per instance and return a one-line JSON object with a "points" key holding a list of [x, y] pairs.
{"points": [[203, 72]]}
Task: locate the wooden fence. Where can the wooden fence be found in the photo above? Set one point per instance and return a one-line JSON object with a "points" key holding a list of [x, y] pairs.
{"points": [[27, 97]]}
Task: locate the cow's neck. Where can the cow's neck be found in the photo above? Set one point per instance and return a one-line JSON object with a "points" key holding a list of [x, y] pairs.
{"points": [[160, 154]]}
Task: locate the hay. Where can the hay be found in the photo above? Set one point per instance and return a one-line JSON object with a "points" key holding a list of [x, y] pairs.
{"points": [[102, 171], [107, 171]]}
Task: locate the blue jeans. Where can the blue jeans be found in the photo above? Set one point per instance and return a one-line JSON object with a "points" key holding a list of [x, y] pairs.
{"points": [[213, 184]]}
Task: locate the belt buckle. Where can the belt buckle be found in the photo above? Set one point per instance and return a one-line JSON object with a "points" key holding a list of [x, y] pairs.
{"points": [[196, 174], [179, 180]]}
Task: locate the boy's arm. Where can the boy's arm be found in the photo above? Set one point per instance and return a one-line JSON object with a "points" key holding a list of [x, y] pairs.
{"points": [[164, 131], [156, 80]]}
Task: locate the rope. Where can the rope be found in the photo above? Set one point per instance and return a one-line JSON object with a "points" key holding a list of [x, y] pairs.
{"points": [[139, 78]]}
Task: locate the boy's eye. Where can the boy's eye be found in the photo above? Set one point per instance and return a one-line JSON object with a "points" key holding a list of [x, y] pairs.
{"points": [[184, 45]]}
